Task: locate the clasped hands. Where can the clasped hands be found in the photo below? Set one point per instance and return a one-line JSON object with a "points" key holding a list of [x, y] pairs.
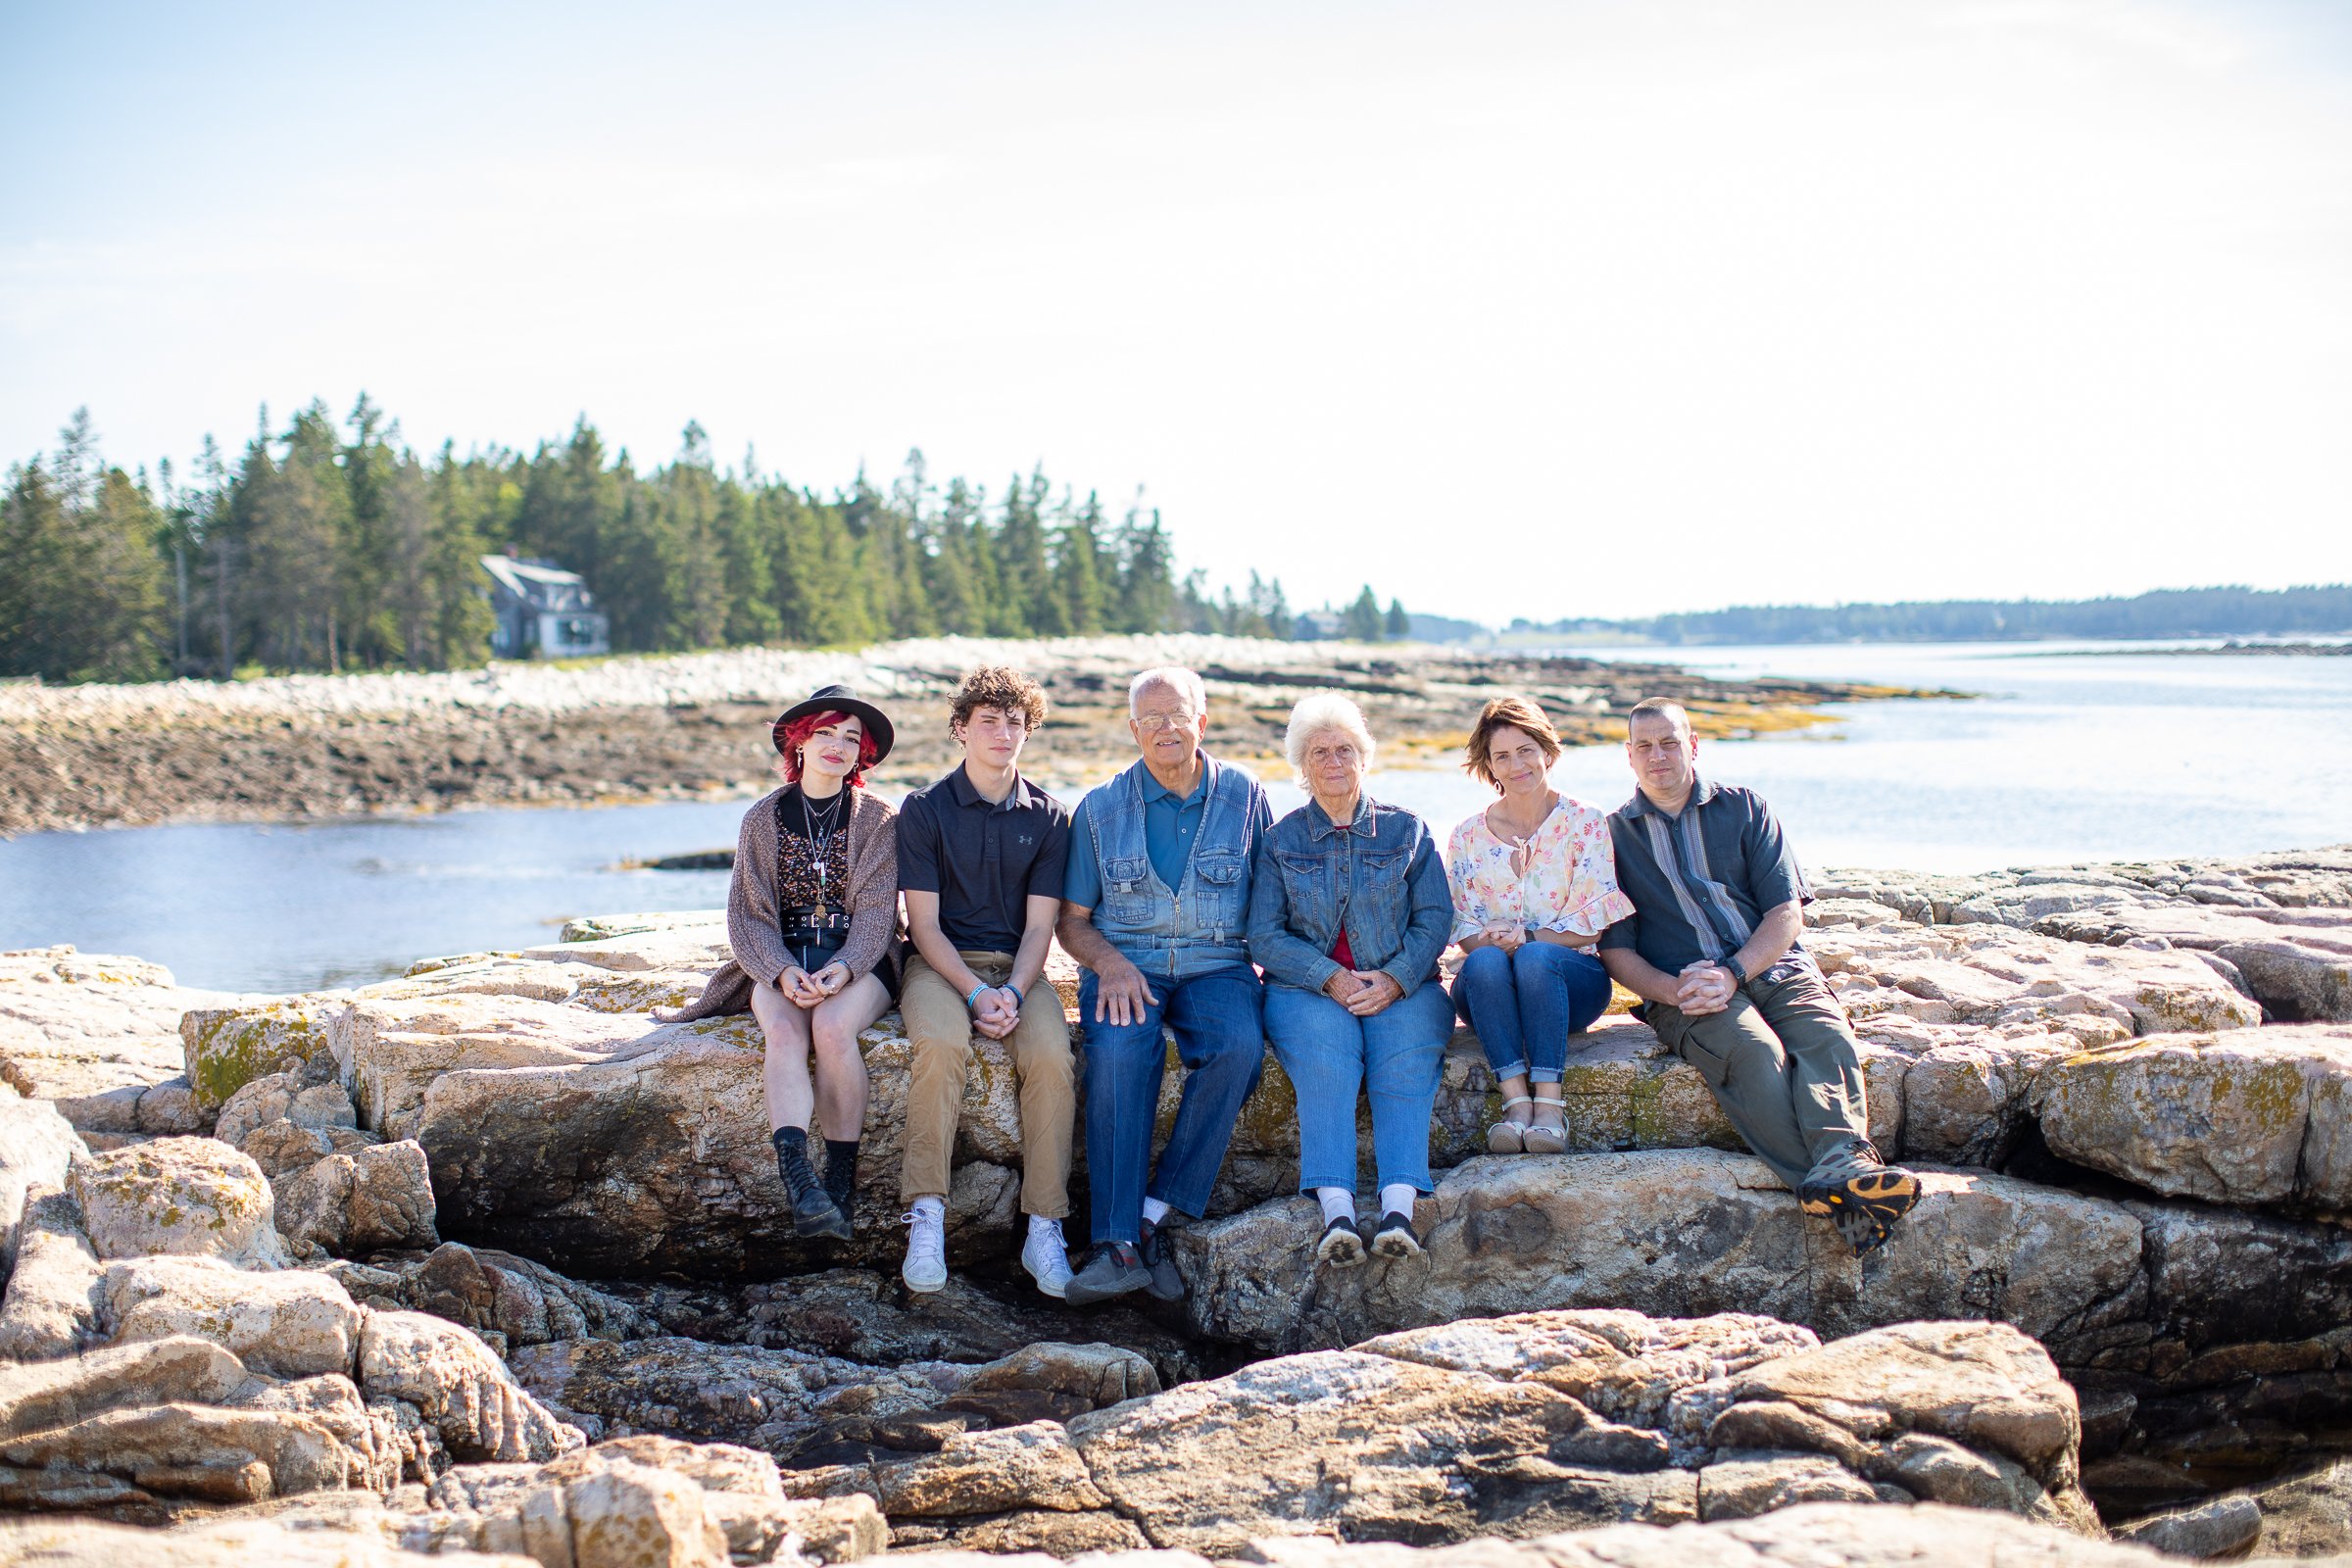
{"points": [[1704, 987], [995, 1013], [1362, 992], [806, 990]]}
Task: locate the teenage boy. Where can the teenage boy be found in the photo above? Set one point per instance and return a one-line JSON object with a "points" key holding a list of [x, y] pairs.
{"points": [[981, 859]]}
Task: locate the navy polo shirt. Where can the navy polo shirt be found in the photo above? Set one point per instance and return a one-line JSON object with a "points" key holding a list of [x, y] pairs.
{"points": [[1702, 879], [985, 858]]}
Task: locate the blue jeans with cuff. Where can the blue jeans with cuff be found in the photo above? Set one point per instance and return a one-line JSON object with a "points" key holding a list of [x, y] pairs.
{"points": [[1221, 1040], [1394, 1056], [1525, 1005]]}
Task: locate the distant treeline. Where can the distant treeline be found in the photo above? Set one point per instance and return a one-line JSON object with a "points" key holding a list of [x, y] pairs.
{"points": [[338, 548], [2166, 613]]}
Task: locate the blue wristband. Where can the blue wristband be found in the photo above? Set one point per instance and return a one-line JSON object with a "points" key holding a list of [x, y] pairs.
{"points": [[974, 995], [1018, 998]]}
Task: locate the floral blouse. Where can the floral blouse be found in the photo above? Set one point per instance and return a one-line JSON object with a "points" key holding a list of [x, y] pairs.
{"points": [[1570, 885]]}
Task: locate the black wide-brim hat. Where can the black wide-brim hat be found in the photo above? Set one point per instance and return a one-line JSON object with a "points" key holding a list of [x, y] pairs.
{"points": [[838, 699]]}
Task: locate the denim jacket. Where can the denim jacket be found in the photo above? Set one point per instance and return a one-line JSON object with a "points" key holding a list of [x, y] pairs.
{"points": [[1200, 924], [1379, 873]]}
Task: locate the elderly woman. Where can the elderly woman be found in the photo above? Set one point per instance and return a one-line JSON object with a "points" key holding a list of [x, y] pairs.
{"points": [[812, 914], [1348, 914], [1535, 883]]}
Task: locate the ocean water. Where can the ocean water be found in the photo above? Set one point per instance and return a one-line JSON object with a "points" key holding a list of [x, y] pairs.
{"points": [[2103, 755]]}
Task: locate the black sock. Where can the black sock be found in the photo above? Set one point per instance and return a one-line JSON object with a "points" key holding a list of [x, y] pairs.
{"points": [[841, 1170]]}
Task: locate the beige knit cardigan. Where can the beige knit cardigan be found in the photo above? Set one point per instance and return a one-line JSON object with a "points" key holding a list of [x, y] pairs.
{"points": [[752, 911]]}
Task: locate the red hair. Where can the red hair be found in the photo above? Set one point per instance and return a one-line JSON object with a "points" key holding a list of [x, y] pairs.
{"points": [[795, 735]]}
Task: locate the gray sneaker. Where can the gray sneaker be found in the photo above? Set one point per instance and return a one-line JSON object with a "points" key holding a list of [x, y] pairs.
{"points": [[1115, 1269], [1166, 1283]]}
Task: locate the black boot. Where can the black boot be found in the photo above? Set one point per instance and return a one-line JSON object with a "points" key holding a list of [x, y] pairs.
{"points": [[841, 1173], [813, 1213]]}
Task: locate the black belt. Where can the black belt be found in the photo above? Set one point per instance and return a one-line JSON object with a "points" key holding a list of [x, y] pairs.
{"points": [[812, 939]]}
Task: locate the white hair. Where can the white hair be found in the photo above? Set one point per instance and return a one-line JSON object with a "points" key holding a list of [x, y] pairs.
{"points": [[1318, 714], [1183, 683]]}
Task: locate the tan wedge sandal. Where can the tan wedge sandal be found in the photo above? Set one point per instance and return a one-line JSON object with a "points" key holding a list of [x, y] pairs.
{"points": [[1542, 1140], [1508, 1137]]}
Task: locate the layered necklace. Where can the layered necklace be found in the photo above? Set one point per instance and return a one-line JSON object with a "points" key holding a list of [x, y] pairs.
{"points": [[821, 828]]}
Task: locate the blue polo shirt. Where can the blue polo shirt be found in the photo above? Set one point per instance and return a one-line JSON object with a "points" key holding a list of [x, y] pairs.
{"points": [[1701, 879], [1170, 825]]}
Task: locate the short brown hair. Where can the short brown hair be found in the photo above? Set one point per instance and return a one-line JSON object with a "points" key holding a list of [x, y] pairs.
{"points": [[1514, 712], [1665, 708], [998, 686]]}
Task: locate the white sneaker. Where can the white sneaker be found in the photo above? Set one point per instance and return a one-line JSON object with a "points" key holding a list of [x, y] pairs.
{"points": [[926, 1265], [1046, 1258]]}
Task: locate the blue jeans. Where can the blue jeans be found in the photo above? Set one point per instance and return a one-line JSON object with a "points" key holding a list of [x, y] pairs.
{"points": [[1525, 1005], [1222, 1038], [1394, 1055]]}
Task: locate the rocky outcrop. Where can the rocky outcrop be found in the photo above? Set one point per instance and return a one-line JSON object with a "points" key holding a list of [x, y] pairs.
{"points": [[98, 1038], [1510, 1426], [240, 1543], [2254, 1118], [2279, 924], [190, 1195], [37, 1147]]}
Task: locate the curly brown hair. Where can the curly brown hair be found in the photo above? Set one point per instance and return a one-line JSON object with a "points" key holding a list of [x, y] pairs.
{"points": [[998, 686], [1513, 713]]}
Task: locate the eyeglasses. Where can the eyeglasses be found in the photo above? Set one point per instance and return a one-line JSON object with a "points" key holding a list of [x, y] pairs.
{"points": [[1154, 724]]}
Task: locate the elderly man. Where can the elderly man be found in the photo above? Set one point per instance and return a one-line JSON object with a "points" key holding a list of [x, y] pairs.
{"points": [[1155, 905], [1711, 948]]}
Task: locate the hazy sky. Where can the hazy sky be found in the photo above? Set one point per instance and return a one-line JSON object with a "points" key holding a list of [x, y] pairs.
{"points": [[1512, 310]]}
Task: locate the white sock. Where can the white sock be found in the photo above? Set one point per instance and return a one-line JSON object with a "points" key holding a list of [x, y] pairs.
{"points": [[1338, 1204], [935, 1206], [1154, 1210], [1051, 1229], [1398, 1199]]}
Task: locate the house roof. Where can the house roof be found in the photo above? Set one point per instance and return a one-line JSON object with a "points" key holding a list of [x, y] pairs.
{"points": [[519, 577]]}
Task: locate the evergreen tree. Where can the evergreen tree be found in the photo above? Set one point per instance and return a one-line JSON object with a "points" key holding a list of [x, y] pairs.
{"points": [[1397, 623], [83, 598], [1147, 574], [1079, 592], [1360, 623]]}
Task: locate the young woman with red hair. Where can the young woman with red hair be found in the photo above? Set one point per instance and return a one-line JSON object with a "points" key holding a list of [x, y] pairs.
{"points": [[812, 914]]}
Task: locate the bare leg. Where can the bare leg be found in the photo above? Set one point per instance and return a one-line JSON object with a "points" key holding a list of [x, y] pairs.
{"points": [[841, 1081], [786, 1076], [1515, 1088]]}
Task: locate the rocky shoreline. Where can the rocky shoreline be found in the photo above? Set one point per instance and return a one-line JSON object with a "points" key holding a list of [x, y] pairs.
{"points": [[485, 1260], [633, 729]]}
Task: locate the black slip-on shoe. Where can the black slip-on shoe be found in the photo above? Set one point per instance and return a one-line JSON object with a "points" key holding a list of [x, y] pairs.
{"points": [[1115, 1269], [1395, 1236], [1341, 1245], [1166, 1284]]}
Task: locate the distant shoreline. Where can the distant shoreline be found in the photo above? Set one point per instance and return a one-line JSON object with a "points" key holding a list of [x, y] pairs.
{"points": [[2296, 650], [696, 726]]}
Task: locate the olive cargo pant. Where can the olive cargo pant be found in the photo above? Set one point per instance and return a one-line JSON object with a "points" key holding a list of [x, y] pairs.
{"points": [[940, 1027], [1782, 1064]]}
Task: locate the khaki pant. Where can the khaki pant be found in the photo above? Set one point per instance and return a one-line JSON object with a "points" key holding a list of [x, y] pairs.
{"points": [[1781, 1062], [940, 1027]]}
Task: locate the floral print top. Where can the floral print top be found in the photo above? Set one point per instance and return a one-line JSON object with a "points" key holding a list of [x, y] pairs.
{"points": [[1569, 883]]}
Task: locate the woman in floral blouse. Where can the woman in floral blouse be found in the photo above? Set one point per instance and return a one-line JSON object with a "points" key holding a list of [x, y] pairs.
{"points": [[1535, 883]]}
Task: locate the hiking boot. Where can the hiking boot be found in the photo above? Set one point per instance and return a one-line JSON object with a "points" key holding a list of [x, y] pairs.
{"points": [[841, 1173], [1166, 1284], [1860, 1194], [1046, 1258], [1115, 1269], [926, 1267], [814, 1212]]}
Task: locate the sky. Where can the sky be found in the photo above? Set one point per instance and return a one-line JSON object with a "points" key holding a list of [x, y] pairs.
{"points": [[1581, 308]]}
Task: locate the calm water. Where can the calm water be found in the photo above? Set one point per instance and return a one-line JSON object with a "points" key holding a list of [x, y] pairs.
{"points": [[2114, 756]]}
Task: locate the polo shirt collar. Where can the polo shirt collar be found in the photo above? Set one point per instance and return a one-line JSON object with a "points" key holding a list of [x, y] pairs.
{"points": [[1021, 795], [1702, 790], [1154, 790]]}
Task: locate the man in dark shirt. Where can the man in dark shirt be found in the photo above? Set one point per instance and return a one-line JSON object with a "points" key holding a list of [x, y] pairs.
{"points": [[1711, 948], [981, 859]]}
